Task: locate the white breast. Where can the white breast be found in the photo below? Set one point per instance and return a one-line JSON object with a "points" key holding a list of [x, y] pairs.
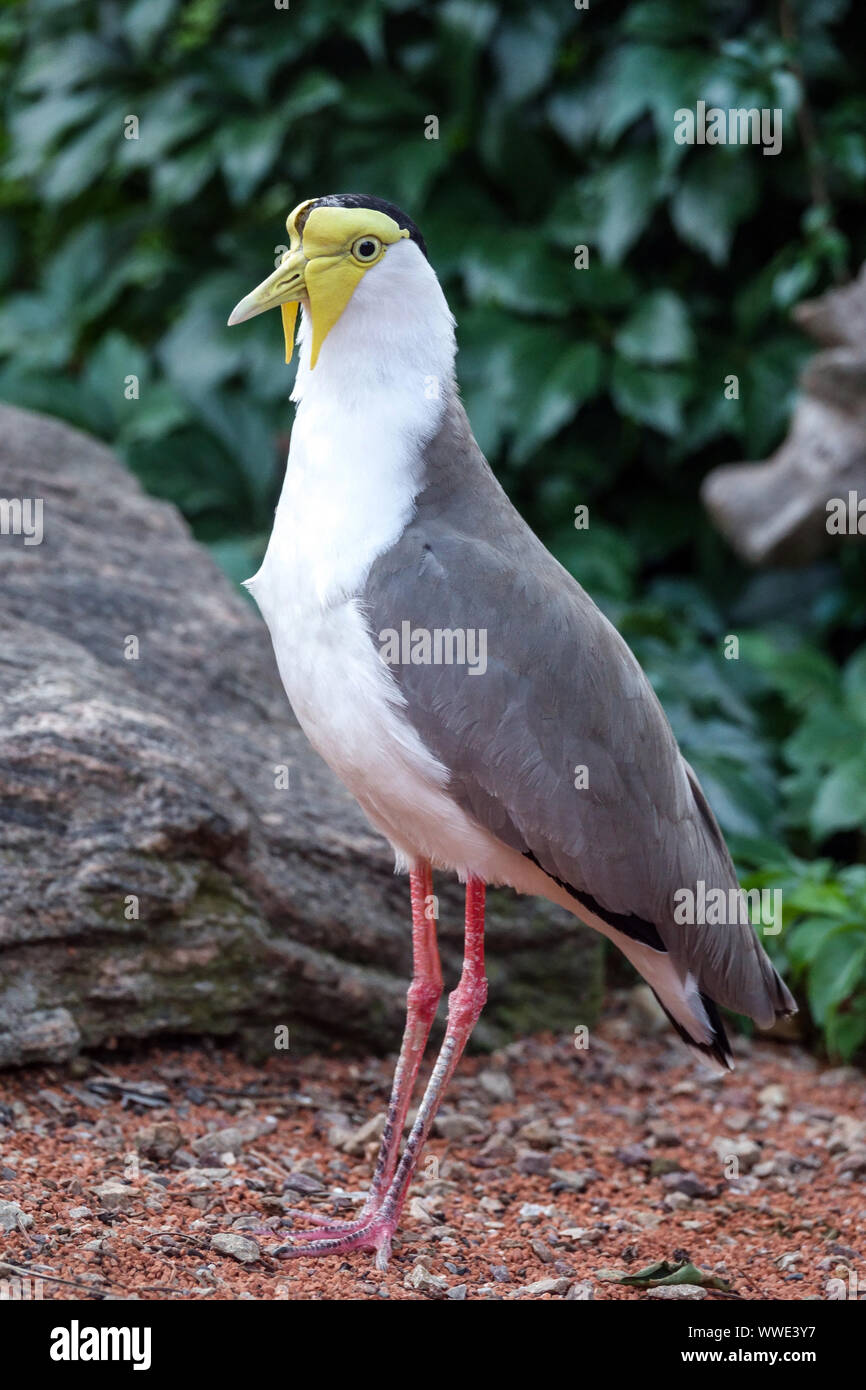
{"points": [[353, 473], [347, 497]]}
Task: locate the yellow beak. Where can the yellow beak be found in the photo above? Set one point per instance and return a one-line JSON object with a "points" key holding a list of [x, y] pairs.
{"points": [[286, 288]]}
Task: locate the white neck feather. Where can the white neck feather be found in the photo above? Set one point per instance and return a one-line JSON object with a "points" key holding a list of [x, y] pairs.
{"points": [[365, 412]]}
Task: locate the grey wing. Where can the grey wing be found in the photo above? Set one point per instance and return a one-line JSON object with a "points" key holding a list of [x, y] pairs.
{"points": [[562, 700]]}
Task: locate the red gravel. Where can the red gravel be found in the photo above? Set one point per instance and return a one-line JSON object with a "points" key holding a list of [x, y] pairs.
{"points": [[631, 1114]]}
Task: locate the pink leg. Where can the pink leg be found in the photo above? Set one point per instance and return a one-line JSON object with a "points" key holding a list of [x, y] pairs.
{"points": [[422, 1002], [464, 1007]]}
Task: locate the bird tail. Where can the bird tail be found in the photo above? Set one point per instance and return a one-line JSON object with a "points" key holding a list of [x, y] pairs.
{"points": [[694, 1011], [700, 1024]]}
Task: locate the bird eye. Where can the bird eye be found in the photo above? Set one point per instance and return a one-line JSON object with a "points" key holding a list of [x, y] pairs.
{"points": [[366, 249]]}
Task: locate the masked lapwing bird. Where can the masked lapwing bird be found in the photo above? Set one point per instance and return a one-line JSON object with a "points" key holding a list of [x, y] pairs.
{"points": [[456, 677]]}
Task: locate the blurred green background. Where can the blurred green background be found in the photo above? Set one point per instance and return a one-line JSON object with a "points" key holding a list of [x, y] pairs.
{"points": [[600, 386]]}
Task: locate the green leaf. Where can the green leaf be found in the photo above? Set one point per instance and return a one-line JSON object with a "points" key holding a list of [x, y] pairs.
{"points": [[199, 351], [668, 21], [487, 367], [36, 333], [74, 166], [166, 120], [244, 430], [841, 800], [827, 735], [651, 78], [247, 150], [59, 396], [472, 21], [114, 359], [663, 1273], [144, 21], [737, 803], [192, 469], [314, 92], [577, 113], [36, 127], [658, 331], [574, 378], [179, 178], [839, 969], [800, 673], [511, 270], [854, 685], [366, 25], [8, 248], [157, 413], [649, 396], [807, 938], [829, 898], [791, 284], [846, 1030], [524, 52], [59, 64], [400, 171], [768, 389], [599, 557], [715, 194], [75, 269], [627, 192]]}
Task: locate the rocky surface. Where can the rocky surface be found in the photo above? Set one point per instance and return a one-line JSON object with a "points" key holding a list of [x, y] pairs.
{"points": [[775, 512], [155, 877], [553, 1174]]}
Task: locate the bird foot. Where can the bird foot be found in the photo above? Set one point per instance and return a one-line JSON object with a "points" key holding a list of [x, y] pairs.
{"points": [[325, 1225], [334, 1223], [373, 1232]]}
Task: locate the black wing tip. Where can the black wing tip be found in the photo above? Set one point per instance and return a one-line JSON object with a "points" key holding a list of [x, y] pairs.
{"points": [[719, 1049]]}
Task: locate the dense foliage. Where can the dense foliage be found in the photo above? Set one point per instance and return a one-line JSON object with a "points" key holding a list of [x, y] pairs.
{"points": [[600, 386]]}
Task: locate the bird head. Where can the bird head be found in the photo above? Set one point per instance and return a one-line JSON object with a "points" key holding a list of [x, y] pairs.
{"points": [[333, 243]]}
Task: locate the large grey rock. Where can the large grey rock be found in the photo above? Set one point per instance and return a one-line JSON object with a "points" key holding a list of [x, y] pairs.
{"points": [[154, 779], [775, 512]]}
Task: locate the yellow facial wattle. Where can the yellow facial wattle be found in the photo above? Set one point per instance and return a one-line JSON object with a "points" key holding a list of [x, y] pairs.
{"points": [[330, 251]]}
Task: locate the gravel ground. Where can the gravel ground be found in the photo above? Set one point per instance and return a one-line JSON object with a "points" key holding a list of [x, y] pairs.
{"points": [[553, 1173]]}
